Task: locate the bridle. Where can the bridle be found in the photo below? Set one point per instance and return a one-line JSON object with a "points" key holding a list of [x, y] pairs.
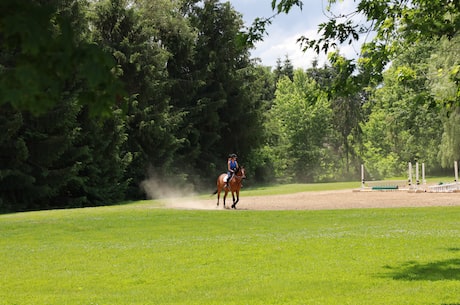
{"points": [[242, 176]]}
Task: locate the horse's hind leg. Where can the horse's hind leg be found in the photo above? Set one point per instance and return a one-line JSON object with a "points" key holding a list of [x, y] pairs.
{"points": [[225, 197], [218, 196]]}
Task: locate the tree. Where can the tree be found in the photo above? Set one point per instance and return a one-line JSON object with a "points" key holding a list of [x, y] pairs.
{"points": [[46, 152], [102, 160], [397, 25], [151, 124], [60, 159], [342, 85], [405, 122], [259, 161], [300, 116], [42, 52], [284, 68], [392, 21], [346, 103], [223, 109], [35, 169], [444, 84]]}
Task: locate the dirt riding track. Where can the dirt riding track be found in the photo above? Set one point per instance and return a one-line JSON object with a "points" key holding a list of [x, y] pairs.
{"points": [[344, 199]]}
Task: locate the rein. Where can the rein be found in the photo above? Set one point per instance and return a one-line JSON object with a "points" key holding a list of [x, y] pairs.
{"points": [[239, 177]]}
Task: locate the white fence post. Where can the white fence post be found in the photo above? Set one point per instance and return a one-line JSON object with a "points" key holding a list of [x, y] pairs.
{"points": [[456, 174], [423, 174], [410, 174]]}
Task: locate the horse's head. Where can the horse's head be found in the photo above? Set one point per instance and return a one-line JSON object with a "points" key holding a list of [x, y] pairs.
{"points": [[240, 172]]}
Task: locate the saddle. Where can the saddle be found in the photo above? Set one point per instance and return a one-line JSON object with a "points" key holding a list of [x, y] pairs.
{"points": [[226, 181]]}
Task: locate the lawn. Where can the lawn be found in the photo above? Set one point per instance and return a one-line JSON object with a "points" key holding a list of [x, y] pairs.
{"points": [[136, 254]]}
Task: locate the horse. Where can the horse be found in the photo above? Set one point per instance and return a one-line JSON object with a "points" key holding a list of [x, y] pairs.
{"points": [[234, 186]]}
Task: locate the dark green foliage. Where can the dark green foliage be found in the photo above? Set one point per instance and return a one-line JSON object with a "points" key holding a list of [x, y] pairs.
{"points": [[63, 158], [48, 69], [404, 123], [191, 102], [284, 69], [151, 123], [178, 92], [101, 179], [223, 112], [13, 153], [42, 56], [35, 170]]}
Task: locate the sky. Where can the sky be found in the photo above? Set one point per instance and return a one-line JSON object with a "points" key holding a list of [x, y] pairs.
{"points": [[287, 28]]}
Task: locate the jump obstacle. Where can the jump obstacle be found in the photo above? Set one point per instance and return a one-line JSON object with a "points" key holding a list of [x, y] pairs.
{"points": [[449, 187], [409, 185]]}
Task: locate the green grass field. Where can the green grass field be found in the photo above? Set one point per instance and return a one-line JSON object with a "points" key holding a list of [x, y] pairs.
{"points": [[136, 254]]}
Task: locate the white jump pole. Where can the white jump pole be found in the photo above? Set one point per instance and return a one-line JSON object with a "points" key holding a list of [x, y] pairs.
{"points": [[410, 174], [417, 181], [456, 171], [423, 174], [362, 176]]}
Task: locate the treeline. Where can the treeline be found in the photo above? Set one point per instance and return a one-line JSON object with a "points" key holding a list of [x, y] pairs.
{"points": [[114, 100]]}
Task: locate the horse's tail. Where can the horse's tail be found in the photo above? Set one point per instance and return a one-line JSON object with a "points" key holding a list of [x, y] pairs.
{"points": [[215, 192]]}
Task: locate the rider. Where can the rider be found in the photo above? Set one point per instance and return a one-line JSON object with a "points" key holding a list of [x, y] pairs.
{"points": [[232, 166]]}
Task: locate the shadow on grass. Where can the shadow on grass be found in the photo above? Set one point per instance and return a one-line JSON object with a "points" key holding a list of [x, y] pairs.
{"points": [[432, 271]]}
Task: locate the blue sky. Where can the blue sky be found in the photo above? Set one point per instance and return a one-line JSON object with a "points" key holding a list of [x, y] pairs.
{"points": [[285, 29]]}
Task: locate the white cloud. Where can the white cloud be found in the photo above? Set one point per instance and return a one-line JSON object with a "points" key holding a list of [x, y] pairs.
{"points": [[286, 29], [280, 47]]}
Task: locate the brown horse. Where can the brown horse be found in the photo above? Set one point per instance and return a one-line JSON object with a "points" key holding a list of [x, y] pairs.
{"points": [[234, 186]]}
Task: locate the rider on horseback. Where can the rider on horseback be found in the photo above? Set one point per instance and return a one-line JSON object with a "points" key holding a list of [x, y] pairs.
{"points": [[232, 167]]}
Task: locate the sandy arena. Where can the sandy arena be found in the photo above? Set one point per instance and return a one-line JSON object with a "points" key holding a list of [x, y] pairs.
{"points": [[344, 199]]}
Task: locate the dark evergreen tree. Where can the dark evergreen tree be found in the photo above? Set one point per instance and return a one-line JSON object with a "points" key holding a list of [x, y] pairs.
{"points": [[288, 68], [224, 114], [38, 176], [278, 71], [42, 52], [151, 124], [103, 162], [14, 170], [49, 73], [178, 38]]}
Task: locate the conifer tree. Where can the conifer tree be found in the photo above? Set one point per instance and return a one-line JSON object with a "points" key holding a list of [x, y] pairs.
{"points": [[129, 33], [36, 170]]}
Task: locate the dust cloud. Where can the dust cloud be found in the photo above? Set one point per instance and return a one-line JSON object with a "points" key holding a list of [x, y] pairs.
{"points": [[175, 194]]}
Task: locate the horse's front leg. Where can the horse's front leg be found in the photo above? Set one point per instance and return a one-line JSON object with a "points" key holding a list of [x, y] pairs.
{"points": [[237, 199]]}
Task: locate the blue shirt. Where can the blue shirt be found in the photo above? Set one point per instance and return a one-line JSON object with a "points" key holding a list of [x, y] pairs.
{"points": [[232, 164]]}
